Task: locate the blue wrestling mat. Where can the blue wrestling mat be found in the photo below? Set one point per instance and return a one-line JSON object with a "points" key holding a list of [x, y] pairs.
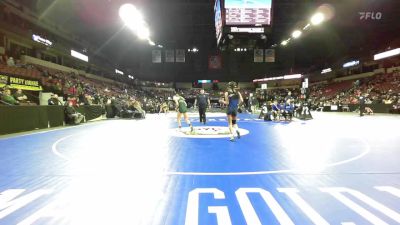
{"points": [[335, 169]]}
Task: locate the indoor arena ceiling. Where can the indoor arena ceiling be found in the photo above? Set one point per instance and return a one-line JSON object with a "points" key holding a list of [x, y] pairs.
{"points": [[189, 23]]}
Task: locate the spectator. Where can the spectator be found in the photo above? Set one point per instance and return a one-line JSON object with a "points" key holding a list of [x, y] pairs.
{"points": [[54, 100], [137, 106], [8, 98], [20, 96], [10, 61], [72, 115], [87, 100], [73, 100]]}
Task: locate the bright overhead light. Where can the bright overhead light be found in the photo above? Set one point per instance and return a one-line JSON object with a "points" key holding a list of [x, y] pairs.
{"points": [[143, 33], [296, 34], [79, 56], [160, 46], [317, 18], [326, 70], [119, 72], [133, 19], [269, 79], [352, 63], [131, 16], [387, 54], [292, 76], [284, 43], [152, 43]]}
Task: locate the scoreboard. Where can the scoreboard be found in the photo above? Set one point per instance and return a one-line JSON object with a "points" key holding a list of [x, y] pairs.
{"points": [[247, 16], [241, 16], [248, 12]]}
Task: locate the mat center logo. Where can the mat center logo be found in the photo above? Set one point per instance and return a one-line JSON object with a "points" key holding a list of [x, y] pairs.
{"points": [[205, 132]]}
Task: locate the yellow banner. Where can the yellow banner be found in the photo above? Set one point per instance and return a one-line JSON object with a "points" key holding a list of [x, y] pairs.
{"points": [[25, 87], [3, 79], [19, 83]]}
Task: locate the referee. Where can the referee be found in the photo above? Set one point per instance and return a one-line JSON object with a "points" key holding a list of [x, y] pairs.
{"points": [[202, 101]]}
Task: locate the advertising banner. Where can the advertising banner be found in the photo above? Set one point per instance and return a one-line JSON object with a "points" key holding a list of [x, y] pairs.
{"points": [[214, 62], [269, 55], [156, 56], [169, 56], [180, 55], [258, 55], [19, 83]]}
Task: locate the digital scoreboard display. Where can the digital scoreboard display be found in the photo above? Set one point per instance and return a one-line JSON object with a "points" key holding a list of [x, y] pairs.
{"points": [[248, 12]]}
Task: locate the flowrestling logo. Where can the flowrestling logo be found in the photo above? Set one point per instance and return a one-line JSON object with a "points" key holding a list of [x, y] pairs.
{"points": [[370, 15], [205, 132]]}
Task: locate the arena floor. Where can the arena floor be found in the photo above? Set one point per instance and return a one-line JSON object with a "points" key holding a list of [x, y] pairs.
{"points": [[335, 169]]}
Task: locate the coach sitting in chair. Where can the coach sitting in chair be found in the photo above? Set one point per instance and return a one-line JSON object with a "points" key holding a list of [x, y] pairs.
{"points": [[72, 116], [288, 109], [276, 110]]}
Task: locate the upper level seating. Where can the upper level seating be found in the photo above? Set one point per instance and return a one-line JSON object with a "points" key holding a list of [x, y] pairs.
{"points": [[20, 71]]}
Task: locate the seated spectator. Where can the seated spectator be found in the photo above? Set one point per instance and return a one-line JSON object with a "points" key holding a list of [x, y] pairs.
{"points": [[18, 63], [73, 100], [138, 107], [369, 111], [8, 98], [72, 115], [164, 108], [10, 61], [20, 96], [54, 100], [387, 101], [57, 87], [87, 99]]}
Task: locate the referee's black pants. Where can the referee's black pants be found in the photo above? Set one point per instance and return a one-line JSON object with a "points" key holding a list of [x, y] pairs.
{"points": [[362, 109], [202, 113]]}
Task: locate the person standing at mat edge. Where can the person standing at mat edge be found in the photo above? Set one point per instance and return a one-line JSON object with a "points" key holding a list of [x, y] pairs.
{"points": [[232, 99], [362, 104], [202, 101], [181, 108]]}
